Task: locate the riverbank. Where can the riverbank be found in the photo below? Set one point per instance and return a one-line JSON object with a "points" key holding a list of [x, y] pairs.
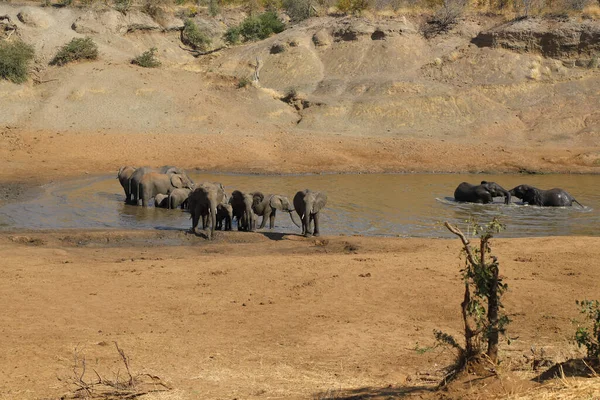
{"points": [[271, 315], [39, 157]]}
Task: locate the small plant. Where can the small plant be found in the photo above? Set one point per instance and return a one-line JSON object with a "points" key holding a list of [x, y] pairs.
{"points": [[122, 6], [481, 307], [243, 82], [589, 337], [192, 36], [213, 7], [14, 60], [233, 35], [147, 59], [445, 17], [299, 10], [76, 49]]}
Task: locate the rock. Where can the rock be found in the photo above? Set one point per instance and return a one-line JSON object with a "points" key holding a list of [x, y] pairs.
{"points": [[92, 22], [321, 38], [562, 39], [139, 21], [171, 23], [112, 21], [352, 30], [36, 17]]}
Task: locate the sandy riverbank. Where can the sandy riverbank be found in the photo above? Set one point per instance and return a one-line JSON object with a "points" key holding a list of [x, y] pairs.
{"points": [[269, 315]]}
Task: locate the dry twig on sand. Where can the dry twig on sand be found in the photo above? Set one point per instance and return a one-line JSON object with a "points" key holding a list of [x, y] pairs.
{"points": [[132, 387]]}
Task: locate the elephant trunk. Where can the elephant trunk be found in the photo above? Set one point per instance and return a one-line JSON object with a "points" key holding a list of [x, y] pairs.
{"points": [[169, 200], [506, 196], [307, 211], [293, 219], [213, 217]]}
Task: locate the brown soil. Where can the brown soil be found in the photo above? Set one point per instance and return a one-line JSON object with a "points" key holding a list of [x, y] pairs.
{"points": [[273, 316]]}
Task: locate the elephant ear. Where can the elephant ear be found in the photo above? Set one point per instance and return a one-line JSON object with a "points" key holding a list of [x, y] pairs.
{"points": [[320, 201], [257, 198], [176, 180], [280, 202], [120, 171]]}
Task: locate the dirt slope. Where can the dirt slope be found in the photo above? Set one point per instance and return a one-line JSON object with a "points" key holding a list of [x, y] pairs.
{"points": [[370, 95]]}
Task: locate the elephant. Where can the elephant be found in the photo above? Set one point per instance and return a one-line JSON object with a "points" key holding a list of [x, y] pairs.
{"points": [[483, 193], [224, 214], [179, 198], [242, 210], [153, 183], [544, 198], [267, 206], [203, 202], [161, 200], [123, 176], [308, 205], [136, 178]]}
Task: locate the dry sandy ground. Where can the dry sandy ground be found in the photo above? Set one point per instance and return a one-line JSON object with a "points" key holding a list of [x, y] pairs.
{"points": [[258, 316], [42, 156]]}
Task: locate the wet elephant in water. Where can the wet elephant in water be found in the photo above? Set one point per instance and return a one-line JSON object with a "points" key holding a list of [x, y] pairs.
{"points": [[308, 205], [138, 174], [242, 210], [267, 206], [154, 183], [544, 198], [124, 177], [179, 198], [483, 193], [203, 202]]}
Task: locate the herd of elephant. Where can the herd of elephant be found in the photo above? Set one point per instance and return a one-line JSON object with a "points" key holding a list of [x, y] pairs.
{"points": [[171, 187], [486, 191]]}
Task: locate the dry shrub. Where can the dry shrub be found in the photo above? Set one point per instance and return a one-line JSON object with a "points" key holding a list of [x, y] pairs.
{"points": [[125, 385]]}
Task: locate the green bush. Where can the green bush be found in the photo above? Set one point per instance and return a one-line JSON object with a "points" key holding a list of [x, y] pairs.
{"points": [[233, 35], [122, 5], [584, 336], [192, 36], [14, 60], [255, 28], [76, 49], [147, 59]]}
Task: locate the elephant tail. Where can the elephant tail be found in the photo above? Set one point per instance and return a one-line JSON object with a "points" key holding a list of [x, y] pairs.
{"points": [[293, 220]]}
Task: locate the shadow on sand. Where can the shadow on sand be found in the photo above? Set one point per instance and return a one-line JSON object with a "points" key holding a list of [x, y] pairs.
{"points": [[371, 393]]}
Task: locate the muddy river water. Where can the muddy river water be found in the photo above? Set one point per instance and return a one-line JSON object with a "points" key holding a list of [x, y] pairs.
{"points": [[410, 205]]}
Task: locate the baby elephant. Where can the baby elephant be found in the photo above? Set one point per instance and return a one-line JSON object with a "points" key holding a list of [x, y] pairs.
{"points": [[483, 193], [161, 200], [543, 198], [179, 198]]}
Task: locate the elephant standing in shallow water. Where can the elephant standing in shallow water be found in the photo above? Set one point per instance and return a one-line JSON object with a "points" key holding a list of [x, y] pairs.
{"points": [[308, 205], [544, 198], [124, 176], [483, 193], [267, 206], [203, 202], [154, 183], [242, 210]]}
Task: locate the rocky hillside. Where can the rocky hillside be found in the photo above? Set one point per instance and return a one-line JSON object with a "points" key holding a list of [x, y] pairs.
{"points": [[527, 82]]}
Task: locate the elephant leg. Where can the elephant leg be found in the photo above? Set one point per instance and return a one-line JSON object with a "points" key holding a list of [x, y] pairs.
{"points": [[195, 218], [316, 218], [204, 221], [272, 219], [264, 220]]}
